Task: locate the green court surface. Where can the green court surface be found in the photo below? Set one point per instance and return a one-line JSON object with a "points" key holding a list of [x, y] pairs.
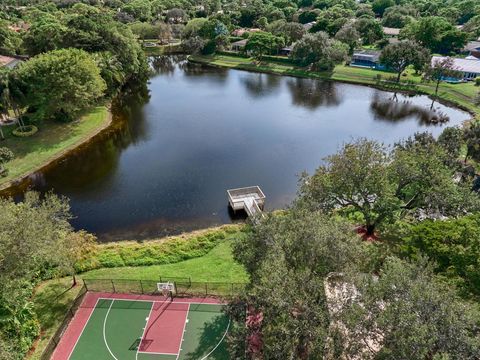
{"points": [[115, 328]]}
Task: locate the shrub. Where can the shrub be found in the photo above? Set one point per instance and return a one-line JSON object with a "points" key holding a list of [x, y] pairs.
{"points": [[153, 252], [477, 81], [25, 131]]}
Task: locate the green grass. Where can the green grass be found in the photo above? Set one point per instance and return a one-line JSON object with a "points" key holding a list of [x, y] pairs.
{"points": [[462, 94], [52, 140], [216, 266], [156, 252], [53, 298]]}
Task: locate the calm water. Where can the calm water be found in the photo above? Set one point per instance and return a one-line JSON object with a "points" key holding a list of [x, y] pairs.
{"points": [[167, 165]]}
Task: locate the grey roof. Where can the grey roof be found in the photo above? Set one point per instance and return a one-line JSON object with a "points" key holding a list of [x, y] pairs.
{"points": [[472, 46], [368, 55], [240, 42], [463, 65], [391, 31]]}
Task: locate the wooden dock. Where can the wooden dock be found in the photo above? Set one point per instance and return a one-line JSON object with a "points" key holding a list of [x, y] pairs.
{"points": [[250, 199]]}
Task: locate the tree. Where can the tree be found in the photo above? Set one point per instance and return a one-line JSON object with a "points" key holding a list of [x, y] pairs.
{"points": [[9, 40], [439, 70], [370, 30], [406, 313], [140, 10], [176, 15], [382, 186], [398, 16], [349, 35], [379, 6], [471, 136], [332, 19], [262, 43], [288, 258], [35, 239], [398, 56], [59, 84], [6, 155], [318, 51], [451, 140], [436, 34], [45, 34]]}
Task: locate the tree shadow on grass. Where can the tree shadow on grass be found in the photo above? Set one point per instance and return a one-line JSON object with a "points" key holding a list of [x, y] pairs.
{"points": [[211, 336]]}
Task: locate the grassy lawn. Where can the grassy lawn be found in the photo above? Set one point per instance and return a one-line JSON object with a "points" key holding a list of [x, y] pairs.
{"points": [[216, 266], [53, 298], [462, 94], [52, 140]]}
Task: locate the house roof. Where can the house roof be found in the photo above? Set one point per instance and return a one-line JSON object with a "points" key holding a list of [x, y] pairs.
{"points": [[391, 31], [369, 55], [309, 25], [464, 65], [472, 46], [8, 61], [240, 42]]}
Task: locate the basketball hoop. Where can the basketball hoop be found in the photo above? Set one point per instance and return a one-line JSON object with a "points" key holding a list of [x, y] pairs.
{"points": [[166, 288]]}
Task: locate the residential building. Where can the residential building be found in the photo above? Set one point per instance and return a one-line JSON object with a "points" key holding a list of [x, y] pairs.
{"points": [[239, 45], [9, 62], [469, 68], [473, 49], [368, 59]]}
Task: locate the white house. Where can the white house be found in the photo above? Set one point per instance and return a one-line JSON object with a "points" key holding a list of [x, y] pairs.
{"points": [[470, 67]]}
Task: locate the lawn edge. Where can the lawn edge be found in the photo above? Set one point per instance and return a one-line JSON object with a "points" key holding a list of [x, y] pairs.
{"points": [[107, 121]]}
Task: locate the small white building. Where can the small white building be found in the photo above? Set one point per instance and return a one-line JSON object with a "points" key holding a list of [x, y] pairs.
{"points": [[470, 67]]}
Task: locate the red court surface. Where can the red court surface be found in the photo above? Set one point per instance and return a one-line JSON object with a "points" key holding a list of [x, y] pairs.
{"points": [[164, 330], [160, 336]]}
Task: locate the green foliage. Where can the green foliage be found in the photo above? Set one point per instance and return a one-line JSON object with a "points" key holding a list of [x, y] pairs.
{"points": [[35, 238], [59, 84], [6, 155], [383, 185], [453, 244], [471, 136], [436, 34], [264, 43], [151, 252], [25, 131], [398, 56], [9, 40], [404, 312], [288, 257], [318, 51]]}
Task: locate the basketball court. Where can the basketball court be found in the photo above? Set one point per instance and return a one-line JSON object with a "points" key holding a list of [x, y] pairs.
{"points": [[144, 327]]}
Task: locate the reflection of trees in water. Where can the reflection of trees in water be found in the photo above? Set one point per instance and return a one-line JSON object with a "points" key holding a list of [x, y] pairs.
{"points": [[313, 93], [259, 85], [192, 69], [164, 65], [394, 110]]}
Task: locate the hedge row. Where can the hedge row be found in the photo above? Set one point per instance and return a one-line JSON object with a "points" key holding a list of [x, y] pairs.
{"points": [[155, 252]]}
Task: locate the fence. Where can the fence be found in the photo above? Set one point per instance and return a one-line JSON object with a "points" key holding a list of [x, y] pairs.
{"points": [[184, 287], [52, 344]]}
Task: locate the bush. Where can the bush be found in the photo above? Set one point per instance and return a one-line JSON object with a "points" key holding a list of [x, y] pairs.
{"points": [[25, 131], [152, 252], [477, 81]]}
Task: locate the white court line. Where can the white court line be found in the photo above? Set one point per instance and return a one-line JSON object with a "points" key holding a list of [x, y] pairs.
{"points": [[104, 337], [163, 301], [221, 340], [144, 329], [156, 353], [183, 332], [84, 326]]}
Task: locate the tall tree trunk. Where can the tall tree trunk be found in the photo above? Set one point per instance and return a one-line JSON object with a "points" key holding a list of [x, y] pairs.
{"points": [[398, 76], [370, 229]]}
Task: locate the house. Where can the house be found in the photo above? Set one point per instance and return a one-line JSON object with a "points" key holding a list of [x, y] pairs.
{"points": [[239, 45], [242, 31], [473, 49], [285, 51], [309, 25], [9, 62], [391, 32], [367, 58], [470, 68]]}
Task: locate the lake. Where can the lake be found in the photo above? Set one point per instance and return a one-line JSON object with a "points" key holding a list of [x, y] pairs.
{"points": [[166, 165]]}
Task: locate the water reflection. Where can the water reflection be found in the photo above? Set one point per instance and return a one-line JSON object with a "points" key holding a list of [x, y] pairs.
{"points": [[398, 108], [176, 146], [313, 93], [260, 85]]}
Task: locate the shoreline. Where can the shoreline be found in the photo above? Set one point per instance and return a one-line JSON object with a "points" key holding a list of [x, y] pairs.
{"points": [[283, 69], [88, 136]]}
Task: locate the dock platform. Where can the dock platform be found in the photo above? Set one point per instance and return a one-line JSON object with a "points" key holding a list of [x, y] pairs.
{"points": [[251, 199]]}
